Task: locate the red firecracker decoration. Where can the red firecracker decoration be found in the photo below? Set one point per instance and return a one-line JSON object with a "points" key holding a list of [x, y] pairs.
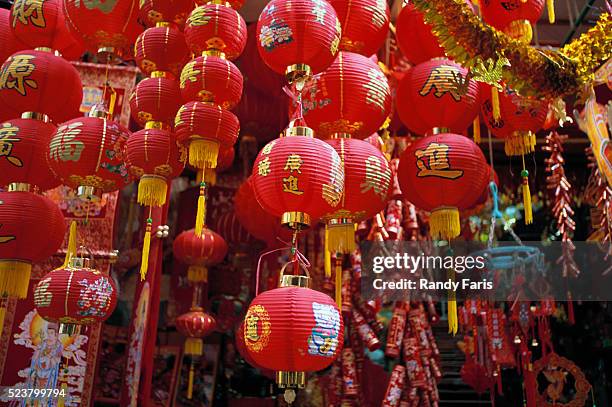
{"points": [[161, 49], [438, 94], [153, 12], [298, 38], [365, 24], [31, 230], [443, 174], [156, 99], [40, 82], [298, 178], [24, 153], [350, 97], [199, 252], [414, 36], [216, 27], [395, 387], [515, 17]]}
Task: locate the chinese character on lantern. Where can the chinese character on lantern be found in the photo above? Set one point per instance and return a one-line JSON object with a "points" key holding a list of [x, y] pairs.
{"points": [[29, 11], [8, 136], [63, 146], [15, 74], [445, 79], [433, 162], [374, 177], [263, 167]]}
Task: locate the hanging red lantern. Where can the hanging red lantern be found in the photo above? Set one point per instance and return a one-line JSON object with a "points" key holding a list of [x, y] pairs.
{"points": [[365, 24], [210, 78], [298, 178], [229, 226], [298, 38], [153, 12], [87, 153], [32, 230], [39, 81], [242, 350], [236, 4], [443, 174], [514, 17], [199, 252], [216, 27], [155, 99], [414, 36], [24, 153], [107, 28], [261, 115], [9, 44], [161, 49], [438, 94], [75, 295], [351, 97], [225, 159]]}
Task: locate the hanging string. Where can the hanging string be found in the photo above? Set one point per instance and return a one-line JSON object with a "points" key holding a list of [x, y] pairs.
{"points": [[526, 193], [297, 257]]}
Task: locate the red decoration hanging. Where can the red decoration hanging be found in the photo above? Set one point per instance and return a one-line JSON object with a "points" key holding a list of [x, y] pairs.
{"points": [[514, 17], [229, 226], [155, 100], [414, 36], [351, 97], [443, 174], [159, 11], [161, 49], [236, 4], [39, 81], [195, 325], [438, 93], [199, 252]]}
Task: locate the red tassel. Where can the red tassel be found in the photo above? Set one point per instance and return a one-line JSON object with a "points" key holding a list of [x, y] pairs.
{"points": [[570, 311]]}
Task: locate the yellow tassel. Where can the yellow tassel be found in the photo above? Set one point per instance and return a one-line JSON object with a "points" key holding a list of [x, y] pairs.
{"points": [[550, 6], [476, 130], [197, 274], [203, 153], [201, 213], [2, 314], [72, 244], [146, 247], [520, 143], [453, 324], [210, 176], [520, 30], [339, 281], [444, 223], [526, 197], [190, 383], [327, 255], [495, 102], [61, 402], [341, 237], [14, 278], [194, 346], [152, 190]]}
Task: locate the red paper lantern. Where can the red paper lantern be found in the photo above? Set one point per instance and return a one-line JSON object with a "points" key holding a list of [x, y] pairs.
{"points": [[351, 97], [414, 36], [107, 28], [206, 128], [24, 153], [38, 81], [226, 157], [161, 49], [9, 44], [242, 350], [76, 294], [443, 174], [216, 27], [212, 79], [159, 11], [298, 178], [155, 100], [236, 4], [365, 24], [438, 93], [32, 230], [199, 252], [154, 156], [195, 324], [299, 37], [514, 17], [229, 226], [87, 153], [262, 115]]}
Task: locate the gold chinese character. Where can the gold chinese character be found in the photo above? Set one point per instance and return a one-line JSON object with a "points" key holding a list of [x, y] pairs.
{"points": [[376, 177], [268, 147], [198, 18], [294, 162], [15, 74], [189, 73], [433, 162], [446, 79], [63, 146], [8, 136], [377, 87], [263, 167], [290, 184], [105, 6], [4, 239], [178, 120], [29, 11]]}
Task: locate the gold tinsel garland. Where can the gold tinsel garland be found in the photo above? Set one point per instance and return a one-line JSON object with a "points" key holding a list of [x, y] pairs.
{"points": [[533, 72]]}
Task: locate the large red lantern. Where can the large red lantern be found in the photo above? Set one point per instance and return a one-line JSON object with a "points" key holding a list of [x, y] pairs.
{"points": [[236, 4], [443, 174], [438, 94], [155, 99], [153, 12], [365, 24], [9, 44], [75, 295], [39, 81], [298, 178], [242, 350], [32, 230], [514, 17], [199, 252], [414, 36], [299, 37], [293, 330], [350, 97], [87, 153], [217, 27], [161, 49], [23, 158]]}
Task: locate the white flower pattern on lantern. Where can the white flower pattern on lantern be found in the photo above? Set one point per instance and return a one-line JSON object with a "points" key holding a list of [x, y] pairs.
{"points": [[277, 33], [95, 298], [324, 338]]}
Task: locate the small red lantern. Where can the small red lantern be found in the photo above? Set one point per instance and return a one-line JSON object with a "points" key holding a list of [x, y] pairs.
{"points": [[229, 226], [236, 4], [365, 24], [216, 27], [199, 252], [24, 153], [438, 94], [514, 17], [155, 99], [87, 153], [75, 295], [39, 81], [351, 97], [414, 36], [443, 174], [298, 178], [210, 78], [164, 11], [161, 49], [298, 38], [32, 230]]}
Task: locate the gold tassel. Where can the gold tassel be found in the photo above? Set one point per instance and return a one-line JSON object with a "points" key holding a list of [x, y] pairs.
{"points": [[526, 196], [203, 153], [61, 402], [453, 324], [550, 6], [341, 237], [197, 274], [476, 130], [72, 244], [339, 280], [201, 213], [495, 102], [210, 176], [152, 190], [194, 346], [190, 383], [146, 247], [520, 30], [14, 278], [444, 223], [327, 255], [2, 314], [520, 143]]}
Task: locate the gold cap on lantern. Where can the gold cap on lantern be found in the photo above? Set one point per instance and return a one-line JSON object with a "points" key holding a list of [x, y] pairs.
{"points": [[296, 220]]}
